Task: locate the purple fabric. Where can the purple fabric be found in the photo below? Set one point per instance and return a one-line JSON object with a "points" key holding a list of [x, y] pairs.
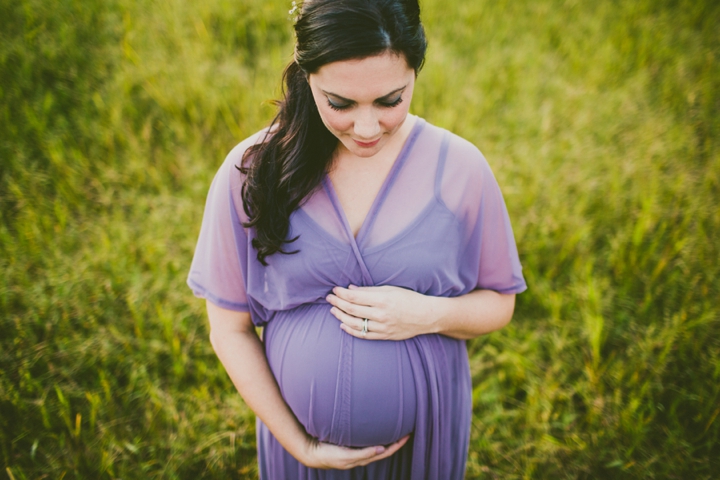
{"points": [[439, 226]]}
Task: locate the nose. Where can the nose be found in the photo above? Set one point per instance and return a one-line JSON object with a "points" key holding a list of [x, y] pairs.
{"points": [[366, 125]]}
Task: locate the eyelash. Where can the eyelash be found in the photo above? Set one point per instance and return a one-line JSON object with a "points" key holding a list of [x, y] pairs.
{"points": [[340, 108]]}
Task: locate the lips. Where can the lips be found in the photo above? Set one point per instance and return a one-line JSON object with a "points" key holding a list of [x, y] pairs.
{"points": [[366, 144]]}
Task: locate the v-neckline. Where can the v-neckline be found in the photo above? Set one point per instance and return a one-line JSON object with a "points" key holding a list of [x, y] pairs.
{"points": [[382, 193]]}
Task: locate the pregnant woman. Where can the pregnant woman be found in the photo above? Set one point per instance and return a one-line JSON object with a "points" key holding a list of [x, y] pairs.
{"points": [[369, 244]]}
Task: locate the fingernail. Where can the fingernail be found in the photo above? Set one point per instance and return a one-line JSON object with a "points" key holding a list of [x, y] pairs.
{"points": [[352, 287], [379, 450]]}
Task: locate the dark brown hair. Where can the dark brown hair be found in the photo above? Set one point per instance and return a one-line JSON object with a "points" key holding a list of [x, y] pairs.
{"points": [[297, 150]]}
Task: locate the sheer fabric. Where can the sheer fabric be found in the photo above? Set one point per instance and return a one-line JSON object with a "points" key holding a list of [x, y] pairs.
{"points": [[438, 226]]}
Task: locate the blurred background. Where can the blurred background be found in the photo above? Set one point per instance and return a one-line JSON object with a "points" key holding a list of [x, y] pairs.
{"points": [[600, 119]]}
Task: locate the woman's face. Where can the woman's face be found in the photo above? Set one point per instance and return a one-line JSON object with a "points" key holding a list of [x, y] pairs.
{"points": [[364, 102]]}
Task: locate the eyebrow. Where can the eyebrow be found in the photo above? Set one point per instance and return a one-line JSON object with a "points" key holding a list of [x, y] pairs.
{"points": [[384, 97]]}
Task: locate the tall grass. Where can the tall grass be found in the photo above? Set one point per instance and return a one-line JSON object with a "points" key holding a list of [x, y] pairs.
{"points": [[600, 120]]}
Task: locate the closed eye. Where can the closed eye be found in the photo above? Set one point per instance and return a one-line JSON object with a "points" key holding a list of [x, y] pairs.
{"points": [[392, 104], [338, 107], [344, 106]]}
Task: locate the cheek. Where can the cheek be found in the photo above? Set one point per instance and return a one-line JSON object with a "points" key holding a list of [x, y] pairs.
{"points": [[335, 121], [393, 117]]}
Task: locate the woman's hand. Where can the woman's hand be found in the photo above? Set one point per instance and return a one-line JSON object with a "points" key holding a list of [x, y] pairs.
{"points": [[238, 347], [393, 313], [327, 455]]}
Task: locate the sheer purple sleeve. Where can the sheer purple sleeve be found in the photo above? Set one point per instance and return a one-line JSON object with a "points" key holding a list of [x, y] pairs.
{"points": [[490, 259], [499, 266], [218, 271]]}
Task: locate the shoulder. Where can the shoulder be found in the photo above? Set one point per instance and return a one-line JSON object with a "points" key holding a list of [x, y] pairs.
{"points": [[463, 160], [236, 155], [229, 171], [463, 175], [229, 178]]}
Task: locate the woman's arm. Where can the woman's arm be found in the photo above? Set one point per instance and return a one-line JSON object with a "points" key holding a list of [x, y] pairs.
{"points": [[396, 313], [241, 352]]}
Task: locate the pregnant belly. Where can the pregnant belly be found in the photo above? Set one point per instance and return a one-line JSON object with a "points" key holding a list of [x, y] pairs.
{"points": [[343, 390]]}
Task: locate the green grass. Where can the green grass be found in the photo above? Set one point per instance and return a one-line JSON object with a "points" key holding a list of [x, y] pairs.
{"points": [[600, 120]]}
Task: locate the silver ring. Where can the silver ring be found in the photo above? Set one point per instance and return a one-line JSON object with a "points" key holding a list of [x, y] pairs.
{"points": [[365, 327]]}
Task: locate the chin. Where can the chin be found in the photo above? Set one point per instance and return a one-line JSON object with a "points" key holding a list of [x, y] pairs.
{"points": [[365, 152]]}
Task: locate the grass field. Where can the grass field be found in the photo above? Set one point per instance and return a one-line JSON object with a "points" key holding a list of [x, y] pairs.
{"points": [[602, 123]]}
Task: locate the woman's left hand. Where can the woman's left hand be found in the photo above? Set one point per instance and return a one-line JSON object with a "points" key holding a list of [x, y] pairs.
{"points": [[393, 313]]}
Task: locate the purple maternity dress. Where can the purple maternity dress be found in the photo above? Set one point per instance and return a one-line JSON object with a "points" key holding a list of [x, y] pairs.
{"points": [[438, 226]]}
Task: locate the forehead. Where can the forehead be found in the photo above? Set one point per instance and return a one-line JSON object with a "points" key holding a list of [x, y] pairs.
{"points": [[370, 77]]}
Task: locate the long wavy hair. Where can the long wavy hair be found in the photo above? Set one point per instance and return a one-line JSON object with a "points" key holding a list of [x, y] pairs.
{"points": [[283, 169]]}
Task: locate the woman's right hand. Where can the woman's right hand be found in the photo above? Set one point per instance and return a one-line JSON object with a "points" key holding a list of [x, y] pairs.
{"points": [[238, 347], [326, 455]]}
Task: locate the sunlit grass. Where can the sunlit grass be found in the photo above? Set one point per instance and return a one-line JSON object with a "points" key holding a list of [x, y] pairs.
{"points": [[599, 119]]}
